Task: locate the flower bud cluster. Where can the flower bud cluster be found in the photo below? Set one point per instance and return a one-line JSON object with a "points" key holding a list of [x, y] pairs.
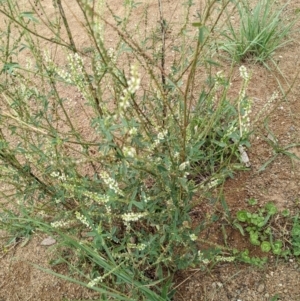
{"points": [[129, 151], [111, 183], [132, 86], [184, 165], [133, 216], [267, 107], [98, 198], [246, 77], [60, 176], [160, 137], [95, 281], [62, 224], [244, 104], [139, 247], [83, 219]]}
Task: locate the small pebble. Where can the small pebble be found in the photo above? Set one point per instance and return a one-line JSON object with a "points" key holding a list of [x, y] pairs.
{"points": [[48, 241], [219, 284], [261, 288]]}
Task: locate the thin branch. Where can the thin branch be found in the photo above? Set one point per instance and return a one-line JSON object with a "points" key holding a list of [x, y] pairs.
{"points": [[52, 40], [62, 13]]}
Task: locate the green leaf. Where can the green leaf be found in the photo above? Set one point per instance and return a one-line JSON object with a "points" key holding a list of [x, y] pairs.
{"points": [[264, 222], [296, 251], [264, 166], [161, 168], [201, 34], [277, 245], [23, 46], [245, 254], [265, 246], [197, 24], [239, 227], [271, 208], [219, 143], [256, 219], [242, 216], [211, 62], [296, 230], [275, 297], [183, 182], [9, 67], [29, 15], [254, 238], [285, 212], [225, 207], [252, 202], [268, 231], [139, 205], [291, 155]]}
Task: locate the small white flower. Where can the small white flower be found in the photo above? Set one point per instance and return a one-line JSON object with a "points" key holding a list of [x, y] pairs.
{"points": [[160, 136], [61, 224], [134, 82], [83, 219], [193, 237], [225, 259], [184, 165], [133, 217], [62, 177], [57, 201], [129, 152], [93, 282], [111, 183], [99, 198], [124, 103], [133, 86], [112, 55], [133, 131], [141, 247], [244, 73], [205, 261], [54, 174], [213, 183]]}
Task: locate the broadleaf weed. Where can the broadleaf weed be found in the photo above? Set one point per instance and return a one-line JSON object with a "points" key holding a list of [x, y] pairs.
{"points": [[262, 232], [116, 181]]}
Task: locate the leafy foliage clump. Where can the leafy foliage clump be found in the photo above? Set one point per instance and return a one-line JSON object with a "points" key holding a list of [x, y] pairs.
{"points": [[113, 173]]}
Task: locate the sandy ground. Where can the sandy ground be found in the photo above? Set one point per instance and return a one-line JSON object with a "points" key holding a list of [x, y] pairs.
{"points": [[279, 183]]}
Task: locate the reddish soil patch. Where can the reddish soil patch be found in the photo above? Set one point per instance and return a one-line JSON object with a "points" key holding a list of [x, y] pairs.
{"points": [[279, 182]]}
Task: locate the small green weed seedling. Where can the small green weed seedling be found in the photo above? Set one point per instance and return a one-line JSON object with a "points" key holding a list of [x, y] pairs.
{"points": [[245, 257], [259, 230], [295, 236], [275, 298]]}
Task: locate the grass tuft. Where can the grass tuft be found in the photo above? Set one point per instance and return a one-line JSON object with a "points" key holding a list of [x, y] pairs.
{"points": [[259, 31]]}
